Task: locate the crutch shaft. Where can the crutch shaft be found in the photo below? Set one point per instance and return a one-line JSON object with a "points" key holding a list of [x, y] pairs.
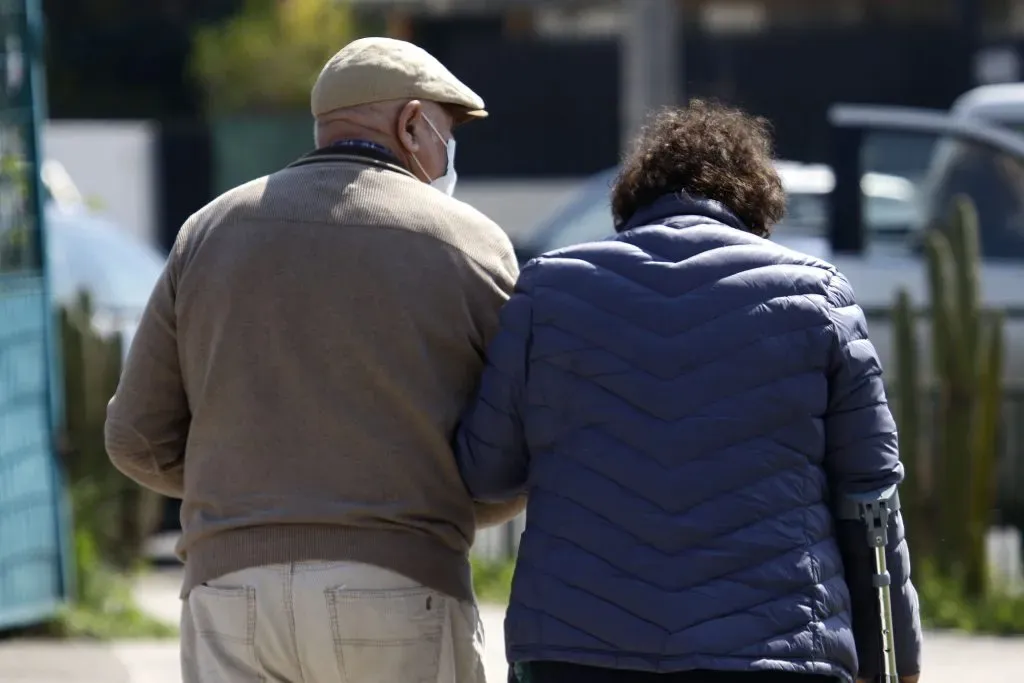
{"points": [[873, 510], [882, 585]]}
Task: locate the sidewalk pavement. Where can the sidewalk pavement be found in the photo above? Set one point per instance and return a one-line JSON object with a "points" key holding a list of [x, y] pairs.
{"points": [[949, 657]]}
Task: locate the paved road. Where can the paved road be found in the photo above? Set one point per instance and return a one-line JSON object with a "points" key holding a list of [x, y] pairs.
{"points": [[949, 658]]}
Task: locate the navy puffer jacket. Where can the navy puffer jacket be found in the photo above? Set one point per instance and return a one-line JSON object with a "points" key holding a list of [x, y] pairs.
{"points": [[682, 402]]}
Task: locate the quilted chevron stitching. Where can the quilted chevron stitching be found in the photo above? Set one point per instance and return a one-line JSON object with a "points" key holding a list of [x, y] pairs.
{"points": [[585, 341]]}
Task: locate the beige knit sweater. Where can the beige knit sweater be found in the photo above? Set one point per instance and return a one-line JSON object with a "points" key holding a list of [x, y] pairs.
{"points": [[301, 367]]}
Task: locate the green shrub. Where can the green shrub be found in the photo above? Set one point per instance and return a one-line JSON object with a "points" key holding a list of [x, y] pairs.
{"points": [[104, 607], [118, 514], [492, 579], [944, 605], [112, 515], [266, 58]]}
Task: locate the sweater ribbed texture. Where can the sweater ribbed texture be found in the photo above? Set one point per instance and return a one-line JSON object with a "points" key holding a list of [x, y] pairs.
{"points": [[300, 369]]}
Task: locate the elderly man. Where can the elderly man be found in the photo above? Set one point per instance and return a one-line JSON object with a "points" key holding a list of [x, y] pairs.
{"points": [[297, 378]]}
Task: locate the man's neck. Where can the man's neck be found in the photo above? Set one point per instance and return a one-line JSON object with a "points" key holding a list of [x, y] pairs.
{"points": [[332, 132]]}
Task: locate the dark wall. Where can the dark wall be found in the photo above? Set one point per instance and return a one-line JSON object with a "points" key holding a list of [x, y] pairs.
{"points": [[185, 171], [792, 78], [124, 58], [555, 108], [129, 59], [554, 104]]}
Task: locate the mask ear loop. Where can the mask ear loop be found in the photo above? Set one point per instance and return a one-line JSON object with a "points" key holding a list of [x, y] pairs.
{"points": [[440, 137], [409, 129], [422, 170], [443, 142]]}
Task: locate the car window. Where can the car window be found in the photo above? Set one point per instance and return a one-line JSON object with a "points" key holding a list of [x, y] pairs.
{"points": [[806, 214], [890, 209], [1016, 126], [898, 154], [888, 215], [587, 218], [994, 180], [591, 223]]}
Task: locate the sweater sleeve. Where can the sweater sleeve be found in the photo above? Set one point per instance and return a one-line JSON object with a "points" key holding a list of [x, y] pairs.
{"points": [[862, 455], [490, 444], [148, 418]]}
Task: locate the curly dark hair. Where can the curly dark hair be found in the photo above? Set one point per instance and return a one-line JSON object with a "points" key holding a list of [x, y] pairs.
{"points": [[708, 150]]}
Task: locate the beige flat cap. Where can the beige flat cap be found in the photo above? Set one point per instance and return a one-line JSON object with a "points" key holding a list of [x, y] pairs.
{"points": [[378, 69]]}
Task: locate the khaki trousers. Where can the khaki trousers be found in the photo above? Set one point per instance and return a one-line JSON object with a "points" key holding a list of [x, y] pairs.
{"points": [[327, 622]]}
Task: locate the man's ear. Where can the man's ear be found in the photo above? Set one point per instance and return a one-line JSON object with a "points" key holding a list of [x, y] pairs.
{"points": [[406, 126]]}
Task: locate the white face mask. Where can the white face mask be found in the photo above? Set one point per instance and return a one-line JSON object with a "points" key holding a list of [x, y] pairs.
{"points": [[446, 182]]}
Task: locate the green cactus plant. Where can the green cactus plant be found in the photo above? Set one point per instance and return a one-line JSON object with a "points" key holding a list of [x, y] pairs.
{"points": [[987, 418], [953, 417], [907, 406], [968, 349], [952, 513]]}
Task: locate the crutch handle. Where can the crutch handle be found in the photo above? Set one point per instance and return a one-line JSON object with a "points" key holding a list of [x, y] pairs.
{"points": [[873, 509]]}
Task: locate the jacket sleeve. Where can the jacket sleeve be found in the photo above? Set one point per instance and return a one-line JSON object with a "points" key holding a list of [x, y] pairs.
{"points": [[148, 417], [862, 455], [490, 444]]}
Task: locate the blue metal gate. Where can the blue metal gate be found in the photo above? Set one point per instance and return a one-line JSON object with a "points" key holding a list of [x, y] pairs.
{"points": [[32, 570]]}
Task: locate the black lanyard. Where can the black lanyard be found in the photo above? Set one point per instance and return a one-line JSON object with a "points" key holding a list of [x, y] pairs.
{"points": [[367, 145]]}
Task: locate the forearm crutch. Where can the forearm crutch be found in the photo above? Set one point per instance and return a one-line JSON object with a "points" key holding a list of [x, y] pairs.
{"points": [[873, 509]]}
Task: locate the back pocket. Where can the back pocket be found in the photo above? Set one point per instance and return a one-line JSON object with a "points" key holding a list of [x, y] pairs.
{"points": [[388, 636], [223, 624]]}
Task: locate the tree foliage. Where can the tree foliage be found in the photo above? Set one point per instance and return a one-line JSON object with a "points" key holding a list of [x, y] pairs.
{"points": [[265, 58]]}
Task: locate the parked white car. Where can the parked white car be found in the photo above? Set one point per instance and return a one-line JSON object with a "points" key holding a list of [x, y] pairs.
{"points": [[891, 209], [86, 252]]}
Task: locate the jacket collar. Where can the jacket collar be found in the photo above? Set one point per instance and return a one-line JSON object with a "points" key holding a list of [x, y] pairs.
{"points": [[680, 204], [367, 157]]}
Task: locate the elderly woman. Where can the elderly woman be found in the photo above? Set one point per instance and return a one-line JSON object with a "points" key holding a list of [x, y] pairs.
{"points": [[681, 403]]}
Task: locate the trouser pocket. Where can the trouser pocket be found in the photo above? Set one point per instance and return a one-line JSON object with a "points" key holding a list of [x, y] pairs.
{"points": [[219, 636], [388, 636]]}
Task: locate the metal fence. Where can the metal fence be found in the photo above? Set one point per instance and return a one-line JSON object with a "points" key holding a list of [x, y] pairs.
{"points": [[32, 561], [31, 569]]}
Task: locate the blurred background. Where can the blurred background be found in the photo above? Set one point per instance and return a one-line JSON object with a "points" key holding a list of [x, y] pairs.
{"points": [[900, 135]]}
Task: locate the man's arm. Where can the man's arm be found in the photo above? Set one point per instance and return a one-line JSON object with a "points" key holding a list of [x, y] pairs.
{"points": [[148, 418], [862, 455], [495, 514]]}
